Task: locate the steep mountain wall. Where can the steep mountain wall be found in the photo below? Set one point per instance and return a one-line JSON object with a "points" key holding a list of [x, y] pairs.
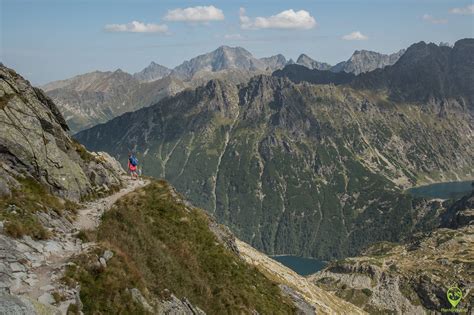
{"points": [[34, 142]]}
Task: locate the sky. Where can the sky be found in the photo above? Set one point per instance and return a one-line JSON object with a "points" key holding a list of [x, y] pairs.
{"points": [[47, 40]]}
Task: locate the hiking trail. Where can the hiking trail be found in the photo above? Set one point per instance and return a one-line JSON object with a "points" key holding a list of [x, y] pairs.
{"points": [[36, 267]]}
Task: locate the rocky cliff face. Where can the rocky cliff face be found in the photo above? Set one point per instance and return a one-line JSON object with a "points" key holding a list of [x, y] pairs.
{"points": [[34, 142], [365, 61], [287, 165], [43, 173], [410, 278]]}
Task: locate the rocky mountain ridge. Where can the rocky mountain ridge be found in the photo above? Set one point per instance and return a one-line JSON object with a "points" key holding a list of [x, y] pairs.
{"points": [[428, 73], [363, 61], [152, 72], [96, 97], [310, 63]]}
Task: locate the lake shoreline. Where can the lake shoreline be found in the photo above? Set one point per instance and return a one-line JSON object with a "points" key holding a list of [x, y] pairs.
{"points": [[436, 182], [443, 190], [301, 265]]}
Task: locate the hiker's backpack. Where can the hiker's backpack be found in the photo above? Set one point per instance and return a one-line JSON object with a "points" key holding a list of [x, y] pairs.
{"points": [[133, 160]]}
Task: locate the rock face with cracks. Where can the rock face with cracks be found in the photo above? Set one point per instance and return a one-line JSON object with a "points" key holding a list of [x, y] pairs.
{"points": [[34, 141]]}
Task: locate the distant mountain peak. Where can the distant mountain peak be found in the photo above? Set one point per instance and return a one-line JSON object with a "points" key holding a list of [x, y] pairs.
{"points": [[308, 62], [152, 72], [222, 58], [428, 72], [366, 60]]}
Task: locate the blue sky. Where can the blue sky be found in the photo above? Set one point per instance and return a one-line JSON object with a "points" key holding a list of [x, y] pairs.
{"points": [[47, 40]]}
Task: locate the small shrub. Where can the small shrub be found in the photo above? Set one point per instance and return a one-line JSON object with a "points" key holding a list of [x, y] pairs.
{"points": [[87, 235], [367, 292], [73, 309], [58, 297]]}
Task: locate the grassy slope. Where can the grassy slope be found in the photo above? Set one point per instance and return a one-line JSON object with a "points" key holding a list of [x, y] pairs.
{"points": [[160, 245], [18, 210]]}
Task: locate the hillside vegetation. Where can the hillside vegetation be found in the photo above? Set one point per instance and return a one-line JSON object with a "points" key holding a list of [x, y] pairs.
{"points": [[287, 165], [164, 246]]}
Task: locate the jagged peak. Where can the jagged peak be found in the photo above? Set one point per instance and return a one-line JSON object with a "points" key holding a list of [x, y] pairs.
{"points": [[303, 57]]}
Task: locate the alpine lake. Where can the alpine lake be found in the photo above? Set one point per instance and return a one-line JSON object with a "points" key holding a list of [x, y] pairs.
{"points": [[447, 190]]}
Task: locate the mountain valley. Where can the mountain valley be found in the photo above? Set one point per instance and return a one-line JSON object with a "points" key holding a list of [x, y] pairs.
{"points": [[363, 169], [286, 165], [77, 236]]}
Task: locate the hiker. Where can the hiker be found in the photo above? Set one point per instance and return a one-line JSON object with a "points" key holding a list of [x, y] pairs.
{"points": [[133, 165]]}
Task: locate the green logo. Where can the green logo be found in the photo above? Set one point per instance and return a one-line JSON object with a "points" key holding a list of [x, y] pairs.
{"points": [[454, 295]]}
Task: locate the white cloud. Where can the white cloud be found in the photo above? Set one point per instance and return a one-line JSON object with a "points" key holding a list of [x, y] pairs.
{"points": [[288, 19], [431, 19], [355, 36], [467, 10], [233, 36], [137, 27], [199, 14]]}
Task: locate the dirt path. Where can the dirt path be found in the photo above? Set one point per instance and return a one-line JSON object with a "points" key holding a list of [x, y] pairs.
{"points": [[37, 273], [89, 218]]}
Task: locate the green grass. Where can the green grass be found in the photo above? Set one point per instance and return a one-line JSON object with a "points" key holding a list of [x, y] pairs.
{"points": [[105, 290], [162, 247], [18, 210]]}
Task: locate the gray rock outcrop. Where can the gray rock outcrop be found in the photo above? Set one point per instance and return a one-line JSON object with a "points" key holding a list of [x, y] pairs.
{"points": [[308, 62], [34, 142], [365, 61], [175, 306], [152, 72]]}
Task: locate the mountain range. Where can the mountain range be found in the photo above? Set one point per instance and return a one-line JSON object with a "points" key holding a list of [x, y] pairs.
{"points": [[286, 165], [295, 160], [78, 237], [92, 98], [428, 72], [365, 61]]}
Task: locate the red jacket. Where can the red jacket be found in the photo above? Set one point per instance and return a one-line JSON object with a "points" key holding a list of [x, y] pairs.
{"points": [[131, 167]]}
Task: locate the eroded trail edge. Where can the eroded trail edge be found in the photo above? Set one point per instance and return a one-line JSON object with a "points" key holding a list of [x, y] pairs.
{"points": [[31, 270]]}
